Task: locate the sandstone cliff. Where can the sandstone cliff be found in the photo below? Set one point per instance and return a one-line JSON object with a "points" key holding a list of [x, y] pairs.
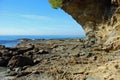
{"points": [[99, 18]]}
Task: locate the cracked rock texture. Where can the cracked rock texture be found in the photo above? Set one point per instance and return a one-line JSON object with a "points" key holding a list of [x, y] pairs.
{"points": [[99, 18]]}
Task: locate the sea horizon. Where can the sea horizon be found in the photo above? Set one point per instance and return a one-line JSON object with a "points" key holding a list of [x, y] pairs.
{"points": [[13, 40], [15, 37]]}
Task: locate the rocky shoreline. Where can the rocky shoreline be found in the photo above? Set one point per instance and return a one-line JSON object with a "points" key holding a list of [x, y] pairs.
{"points": [[69, 59]]}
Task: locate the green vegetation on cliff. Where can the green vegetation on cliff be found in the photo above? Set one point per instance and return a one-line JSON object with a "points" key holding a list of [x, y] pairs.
{"points": [[56, 3]]}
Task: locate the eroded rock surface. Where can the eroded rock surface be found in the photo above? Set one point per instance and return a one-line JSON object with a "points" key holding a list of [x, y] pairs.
{"points": [[99, 18], [73, 59], [19, 61], [67, 59]]}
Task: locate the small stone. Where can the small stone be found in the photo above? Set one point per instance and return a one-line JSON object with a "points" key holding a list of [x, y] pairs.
{"points": [[88, 55], [8, 70], [35, 72], [60, 71], [94, 58], [42, 52], [111, 79], [25, 67], [18, 69], [90, 79]]}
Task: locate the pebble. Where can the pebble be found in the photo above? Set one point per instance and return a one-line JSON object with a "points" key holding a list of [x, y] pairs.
{"points": [[90, 79], [35, 72]]}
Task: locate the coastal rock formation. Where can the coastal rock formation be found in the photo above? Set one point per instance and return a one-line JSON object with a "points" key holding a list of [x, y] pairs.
{"points": [[67, 59], [72, 59], [108, 71], [19, 61], [99, 18]]}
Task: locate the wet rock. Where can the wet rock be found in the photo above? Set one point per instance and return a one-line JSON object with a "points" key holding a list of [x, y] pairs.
{"points": [[19, 61]]}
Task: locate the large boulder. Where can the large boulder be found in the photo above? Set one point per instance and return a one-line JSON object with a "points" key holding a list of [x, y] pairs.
{"points": [[20, 61], [5, 56]]}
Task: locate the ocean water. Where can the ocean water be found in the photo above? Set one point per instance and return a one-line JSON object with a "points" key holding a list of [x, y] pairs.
{"points": [[13, 40]]}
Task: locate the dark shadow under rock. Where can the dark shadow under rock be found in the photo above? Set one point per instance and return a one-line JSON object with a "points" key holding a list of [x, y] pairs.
{"points": [[20, 61]]}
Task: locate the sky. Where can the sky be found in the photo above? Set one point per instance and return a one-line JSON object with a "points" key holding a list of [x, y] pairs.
{"points": [[35, 17]]}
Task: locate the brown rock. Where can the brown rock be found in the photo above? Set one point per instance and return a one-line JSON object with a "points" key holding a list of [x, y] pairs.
{"points": [[19, 61], [42, 52], [22, 74], [99, 18]]}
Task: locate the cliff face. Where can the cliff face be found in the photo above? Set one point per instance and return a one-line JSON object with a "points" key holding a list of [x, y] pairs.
{"points": [[99, 18]]}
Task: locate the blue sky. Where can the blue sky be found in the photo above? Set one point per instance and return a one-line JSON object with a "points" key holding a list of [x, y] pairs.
{"points": [[35, 17]]}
